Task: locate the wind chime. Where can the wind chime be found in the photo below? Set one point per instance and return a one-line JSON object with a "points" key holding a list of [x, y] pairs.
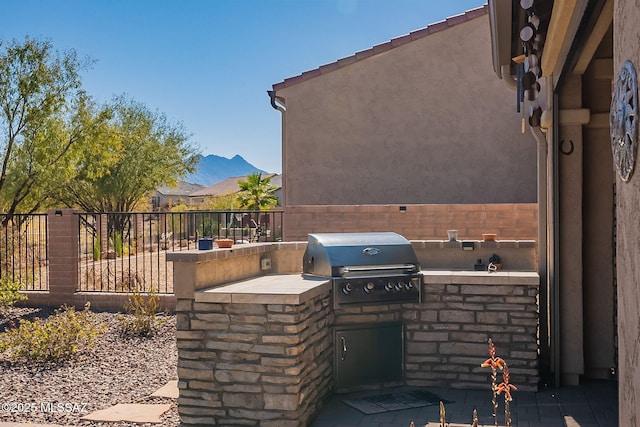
{"points": [[529, 71]]}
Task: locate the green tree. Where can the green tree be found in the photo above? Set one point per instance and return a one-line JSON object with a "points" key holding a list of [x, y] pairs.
{"points": [[220, 203], [147, 151], [257, 193], [47, 123]]}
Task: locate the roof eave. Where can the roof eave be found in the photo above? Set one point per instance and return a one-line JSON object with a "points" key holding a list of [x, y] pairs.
{"points": [[386, 46]]}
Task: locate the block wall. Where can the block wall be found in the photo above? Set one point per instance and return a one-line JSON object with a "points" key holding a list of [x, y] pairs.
{"points": [[509, 221]]}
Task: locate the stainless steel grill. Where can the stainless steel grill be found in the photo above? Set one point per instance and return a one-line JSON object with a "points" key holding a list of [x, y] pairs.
{"points": [[365, 268]]}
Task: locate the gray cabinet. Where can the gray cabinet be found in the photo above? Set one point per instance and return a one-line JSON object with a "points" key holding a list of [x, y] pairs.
{"points": [[368, 354]]}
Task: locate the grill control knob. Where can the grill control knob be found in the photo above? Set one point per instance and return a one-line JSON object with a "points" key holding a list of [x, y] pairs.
{"points": [[388, 287], [368, 287], [409, 286], [398, 287], [346, 289]]}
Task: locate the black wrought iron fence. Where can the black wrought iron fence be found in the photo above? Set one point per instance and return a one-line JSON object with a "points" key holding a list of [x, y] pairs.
{"points": [[122, 251], [23, 250]]}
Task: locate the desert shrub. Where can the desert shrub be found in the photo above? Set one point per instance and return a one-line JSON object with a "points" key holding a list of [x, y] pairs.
{"points": [[97, 250], [9, 293], [141, 318], [116, 240], [55, 339]]}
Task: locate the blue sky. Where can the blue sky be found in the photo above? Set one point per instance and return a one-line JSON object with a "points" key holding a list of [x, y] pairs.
{"points": [[209, 63]]}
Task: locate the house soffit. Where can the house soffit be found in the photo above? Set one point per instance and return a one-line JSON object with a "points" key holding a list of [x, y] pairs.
{"points": [[565, 18], [384, 47], [562, 19], [595, 37]]}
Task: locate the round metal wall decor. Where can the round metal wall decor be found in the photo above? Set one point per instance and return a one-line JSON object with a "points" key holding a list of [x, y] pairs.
{"points": [[623, 121]]}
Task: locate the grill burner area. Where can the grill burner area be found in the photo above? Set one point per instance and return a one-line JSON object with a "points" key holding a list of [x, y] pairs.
{"points": [[365, 268], [363, 290]]}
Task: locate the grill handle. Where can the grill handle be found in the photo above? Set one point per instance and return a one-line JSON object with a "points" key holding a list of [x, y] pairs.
{"points": [[343, 354], [409, 267]]}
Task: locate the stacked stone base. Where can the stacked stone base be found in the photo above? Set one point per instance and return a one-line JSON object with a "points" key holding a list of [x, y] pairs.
{"points": [[253, 364], [244, 363]]}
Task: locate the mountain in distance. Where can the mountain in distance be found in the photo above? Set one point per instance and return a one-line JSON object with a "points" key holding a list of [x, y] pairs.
{"points": [[211, 169]]}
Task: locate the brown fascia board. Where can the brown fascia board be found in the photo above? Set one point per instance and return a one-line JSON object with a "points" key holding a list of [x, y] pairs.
{"points": [[384, 47]]}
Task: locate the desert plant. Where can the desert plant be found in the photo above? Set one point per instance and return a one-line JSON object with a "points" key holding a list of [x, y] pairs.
{"points": [[116, 240], [506, 387], [141, 318], [9, 293], [495, 363], [443, 415], [97, 250], [55, 339]]}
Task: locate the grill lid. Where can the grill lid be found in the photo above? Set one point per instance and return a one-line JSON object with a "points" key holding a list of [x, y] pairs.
{"points": [[341, 254]]}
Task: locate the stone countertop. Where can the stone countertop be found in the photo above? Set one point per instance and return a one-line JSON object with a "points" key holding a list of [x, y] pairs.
{"points": [[270, 289], [471, 277], [296, 288]]}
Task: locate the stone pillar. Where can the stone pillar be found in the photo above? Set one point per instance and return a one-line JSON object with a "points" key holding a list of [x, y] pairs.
{"points": [[63, 253]]}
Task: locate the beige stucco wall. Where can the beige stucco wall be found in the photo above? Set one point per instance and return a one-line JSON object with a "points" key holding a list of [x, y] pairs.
{"points": [[626, 43], [598, 218], [424, 122], [570, 248]]}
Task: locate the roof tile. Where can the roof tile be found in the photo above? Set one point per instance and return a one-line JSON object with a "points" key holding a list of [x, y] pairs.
{"points": [[383, 47], [327, 68], [474, 13], [311, 73], [434, 28], [363, 54], [348, 60], [399, 41], [457, 19]]}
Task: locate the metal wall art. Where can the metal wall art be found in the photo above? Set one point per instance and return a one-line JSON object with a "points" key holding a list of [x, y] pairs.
{"points": [[623, 121]]}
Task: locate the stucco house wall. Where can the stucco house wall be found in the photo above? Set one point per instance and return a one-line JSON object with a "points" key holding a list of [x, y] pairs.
{"points": [[420, 119], [626, 46]]}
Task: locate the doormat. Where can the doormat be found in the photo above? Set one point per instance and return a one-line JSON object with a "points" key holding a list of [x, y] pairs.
{"points": [[394, 401]]}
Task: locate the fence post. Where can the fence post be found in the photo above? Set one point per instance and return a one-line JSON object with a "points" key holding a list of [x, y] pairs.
{"points": [[63, 253]]}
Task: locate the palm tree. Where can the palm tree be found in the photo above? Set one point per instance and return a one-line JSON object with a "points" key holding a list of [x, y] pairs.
{"points": [[257, 193]]}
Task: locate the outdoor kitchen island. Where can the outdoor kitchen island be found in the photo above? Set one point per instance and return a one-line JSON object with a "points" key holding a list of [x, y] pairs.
{"points": [[256, 339]]}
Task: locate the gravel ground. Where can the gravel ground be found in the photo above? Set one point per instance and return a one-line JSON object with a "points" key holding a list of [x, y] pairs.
{"points": [[116, 369]]}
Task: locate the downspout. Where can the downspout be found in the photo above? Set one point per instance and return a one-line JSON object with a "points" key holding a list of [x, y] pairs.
{"points": [[543, 243], [507, 78], [277, 102], [541, 160], [554, 252]]}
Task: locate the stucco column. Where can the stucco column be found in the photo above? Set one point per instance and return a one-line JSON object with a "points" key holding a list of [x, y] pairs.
{"points": [[570, 209]]}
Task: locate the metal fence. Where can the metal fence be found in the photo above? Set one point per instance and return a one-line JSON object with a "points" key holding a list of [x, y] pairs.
{"points": [[120, 251], [23, 250]]}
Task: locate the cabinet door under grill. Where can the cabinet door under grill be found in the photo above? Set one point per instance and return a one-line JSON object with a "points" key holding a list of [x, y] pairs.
{"points": [[368, 354]]}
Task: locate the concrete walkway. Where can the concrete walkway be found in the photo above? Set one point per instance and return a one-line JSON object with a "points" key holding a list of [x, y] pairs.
{"points": [[590, 405]]}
